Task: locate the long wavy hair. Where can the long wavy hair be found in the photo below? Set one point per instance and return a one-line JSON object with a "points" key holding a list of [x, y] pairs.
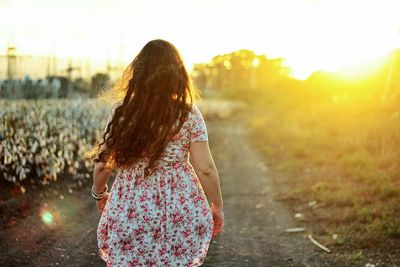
{"points": [[157, 96]]}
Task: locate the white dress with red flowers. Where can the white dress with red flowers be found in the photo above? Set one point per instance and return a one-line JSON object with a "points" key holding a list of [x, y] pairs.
{"points": [[162, 219]]}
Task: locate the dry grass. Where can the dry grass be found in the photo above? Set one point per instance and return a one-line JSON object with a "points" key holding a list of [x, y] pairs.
{"points": [[342, 158]]}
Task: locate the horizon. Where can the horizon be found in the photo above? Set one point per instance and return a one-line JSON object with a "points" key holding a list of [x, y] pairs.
{"points": [[91, 67]]}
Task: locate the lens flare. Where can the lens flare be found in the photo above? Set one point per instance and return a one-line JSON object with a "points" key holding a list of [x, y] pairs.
{"points": [[47, 218]]}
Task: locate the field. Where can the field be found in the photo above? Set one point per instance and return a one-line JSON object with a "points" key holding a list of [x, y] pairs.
{"points": [[337, 164], [332, 168], [42, 140]]}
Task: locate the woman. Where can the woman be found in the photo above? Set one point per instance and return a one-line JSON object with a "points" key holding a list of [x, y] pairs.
{"points": [[156, 213]]}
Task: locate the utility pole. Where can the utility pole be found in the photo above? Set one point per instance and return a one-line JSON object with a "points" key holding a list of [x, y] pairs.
{"points": [[88, 71], [11, 62], [48, 65], [69, 71]]}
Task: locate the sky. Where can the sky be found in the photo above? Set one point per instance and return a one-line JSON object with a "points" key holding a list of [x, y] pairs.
{"points": [[309, 34]]}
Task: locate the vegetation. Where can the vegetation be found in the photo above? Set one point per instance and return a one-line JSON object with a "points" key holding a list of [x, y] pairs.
{"points": [[43, 139], [331, 142], [338, 164]]}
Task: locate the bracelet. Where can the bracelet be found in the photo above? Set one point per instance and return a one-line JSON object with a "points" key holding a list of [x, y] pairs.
{"points": [[99, 196], [102, 193]]}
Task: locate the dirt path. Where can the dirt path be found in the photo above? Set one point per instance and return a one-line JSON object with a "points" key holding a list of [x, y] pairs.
{"points": [[255, 223], [254, 232]]}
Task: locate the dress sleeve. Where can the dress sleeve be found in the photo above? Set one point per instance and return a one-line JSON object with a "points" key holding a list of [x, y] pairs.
{"points": [[198, 131]]}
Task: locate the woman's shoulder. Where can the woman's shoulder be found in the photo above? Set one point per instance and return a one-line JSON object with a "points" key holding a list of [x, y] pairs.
{"points": [[195, 115], [195, 110]]}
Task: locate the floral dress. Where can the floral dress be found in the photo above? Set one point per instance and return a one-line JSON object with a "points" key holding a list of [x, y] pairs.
{"points": [[164, 219]]}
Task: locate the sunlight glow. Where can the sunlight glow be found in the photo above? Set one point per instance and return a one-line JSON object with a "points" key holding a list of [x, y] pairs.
{"points": [[310, 35], [255, 63], [227, 64], [338, 33]]}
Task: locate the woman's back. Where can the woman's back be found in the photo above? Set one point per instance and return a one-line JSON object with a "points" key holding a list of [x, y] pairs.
{"points": [[161, 218], [193, 130]]}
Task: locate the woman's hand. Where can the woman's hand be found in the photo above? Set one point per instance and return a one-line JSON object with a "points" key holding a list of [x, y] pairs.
{"points": [[102, 203], [218, 216]]}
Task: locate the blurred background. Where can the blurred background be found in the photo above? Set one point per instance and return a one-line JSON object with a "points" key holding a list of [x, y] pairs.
{"points": [[315, 83]]}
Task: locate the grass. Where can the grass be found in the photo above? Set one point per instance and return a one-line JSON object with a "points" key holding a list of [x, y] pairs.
{"points": [[343, 156]]}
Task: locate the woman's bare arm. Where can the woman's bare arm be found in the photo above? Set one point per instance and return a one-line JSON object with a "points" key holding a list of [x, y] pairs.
{"points": [[100, 176], [100, 173], [206, 170]]}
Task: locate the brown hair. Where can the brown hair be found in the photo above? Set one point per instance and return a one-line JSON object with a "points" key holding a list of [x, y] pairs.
{"points": [[157, 97]]}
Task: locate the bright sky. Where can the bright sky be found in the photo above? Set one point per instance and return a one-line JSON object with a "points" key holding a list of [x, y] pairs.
{"points": [[309, 34]]}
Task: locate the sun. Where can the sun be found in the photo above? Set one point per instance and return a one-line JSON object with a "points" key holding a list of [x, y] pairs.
{"points": [[337, 34]]}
